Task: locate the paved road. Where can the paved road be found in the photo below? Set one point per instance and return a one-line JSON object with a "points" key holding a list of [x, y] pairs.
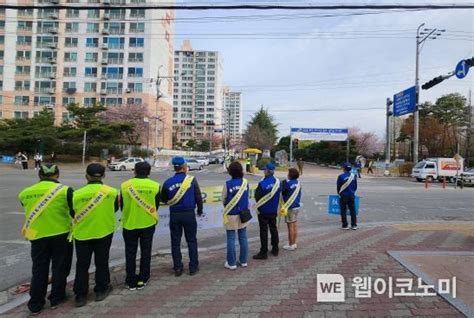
{"points": [[397, 200]]}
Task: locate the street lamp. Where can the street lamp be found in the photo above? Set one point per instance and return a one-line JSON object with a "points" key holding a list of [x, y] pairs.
{"points": [[421, 37]]}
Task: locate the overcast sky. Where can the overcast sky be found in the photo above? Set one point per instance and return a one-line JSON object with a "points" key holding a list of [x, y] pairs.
{"points": [[362, 59]]}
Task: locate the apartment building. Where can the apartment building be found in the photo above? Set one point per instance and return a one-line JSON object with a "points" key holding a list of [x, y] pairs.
{"points": [[112, 56], [197, 93], [233, 117]]}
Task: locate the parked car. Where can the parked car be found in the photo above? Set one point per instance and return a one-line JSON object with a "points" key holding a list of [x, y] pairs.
{"points": [[127, 163], [215, 160], [467, 177], [202, 160], [437, 169], [193, 164]]}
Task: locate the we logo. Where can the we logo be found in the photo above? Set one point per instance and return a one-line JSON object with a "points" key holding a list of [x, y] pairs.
{"points": [[330, 288]]}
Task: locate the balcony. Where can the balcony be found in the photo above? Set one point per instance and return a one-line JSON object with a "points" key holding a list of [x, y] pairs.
{"points": [[51, 60], [52, 45], [53, 16], [134, 75], [115, 61], [115, 46], [23, 44], [112, 76], [135, 60], [104, 61], [106, 31], [45, 90], [91, 75], [103, 92], [104, 47], [67, 74], [106, 16], [69, 90], [21, 88]]}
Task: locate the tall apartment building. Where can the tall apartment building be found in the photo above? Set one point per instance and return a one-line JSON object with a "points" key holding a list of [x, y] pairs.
{"points": [[197, 93], [233, 117], [50, 58]]}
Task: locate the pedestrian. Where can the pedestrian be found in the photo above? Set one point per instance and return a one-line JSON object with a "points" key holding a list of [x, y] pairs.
{"points": [[93, 228], [140, 199], [346, 188], [267, 196], [235, 196], [300, 165], [291, 196], [358, 167], [182, 193], [24, 160], [18, 160], [369, 167], [38, 159], [53, 157], [48, 212]]}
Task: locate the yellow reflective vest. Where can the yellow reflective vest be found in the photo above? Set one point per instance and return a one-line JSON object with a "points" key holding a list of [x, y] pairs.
{"points": [[139, 210]]}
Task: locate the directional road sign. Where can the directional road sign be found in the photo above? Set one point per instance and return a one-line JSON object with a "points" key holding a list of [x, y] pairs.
{"points": [[404, 102], [461, 69]]}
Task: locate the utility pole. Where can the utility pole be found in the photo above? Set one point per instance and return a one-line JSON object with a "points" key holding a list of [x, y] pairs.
{"points": [[421, 37], [387, 137], [469, 131], [84, 141]]}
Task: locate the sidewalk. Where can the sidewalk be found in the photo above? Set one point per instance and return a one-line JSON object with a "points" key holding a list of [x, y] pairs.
{"points": [[285, 286]]}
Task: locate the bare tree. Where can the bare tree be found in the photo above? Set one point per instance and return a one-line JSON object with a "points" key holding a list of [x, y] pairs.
{"points": [[134, 114], [367, 143]]}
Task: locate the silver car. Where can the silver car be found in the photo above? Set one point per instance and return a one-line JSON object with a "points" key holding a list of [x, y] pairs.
{"points": [[127, 163], [193, 164]]}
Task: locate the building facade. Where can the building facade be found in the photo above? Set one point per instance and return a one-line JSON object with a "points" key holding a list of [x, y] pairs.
{"points": [[233, 116], [197, 94], [51, 58]]}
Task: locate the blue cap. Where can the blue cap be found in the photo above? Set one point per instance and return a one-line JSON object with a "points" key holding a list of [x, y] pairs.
{"points": [[270, 166], [347, 165], [178, 161]]}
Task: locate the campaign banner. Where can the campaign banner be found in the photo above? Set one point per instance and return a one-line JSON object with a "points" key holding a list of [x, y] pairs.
{"points": [[335, 208], [213, 210], [320, 134]]}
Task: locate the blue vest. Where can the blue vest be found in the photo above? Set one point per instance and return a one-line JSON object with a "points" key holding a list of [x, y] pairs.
{"points": [[290, 187], [233, 186], [351, 189], [266, 185], [187, 202]]}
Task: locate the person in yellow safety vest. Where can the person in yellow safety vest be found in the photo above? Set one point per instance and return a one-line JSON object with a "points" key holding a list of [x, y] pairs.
{"points": [[48, 210], [93, 227], [139, 199]]}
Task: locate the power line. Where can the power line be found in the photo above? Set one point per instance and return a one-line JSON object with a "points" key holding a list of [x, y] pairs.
{"points": [[249, 7]]}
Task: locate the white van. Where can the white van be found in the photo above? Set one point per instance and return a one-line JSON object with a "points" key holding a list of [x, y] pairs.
{"points": [[437, 169]]}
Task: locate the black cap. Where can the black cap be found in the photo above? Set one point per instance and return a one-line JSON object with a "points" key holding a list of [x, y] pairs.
{"points": [[142, 168], [48, 170], [95, 170]]}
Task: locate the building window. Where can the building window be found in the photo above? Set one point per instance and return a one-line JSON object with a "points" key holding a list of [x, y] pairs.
{"points": [[135, 72], [68, 100], [23, 55], [136, 42], [67, 116], [23, 70], [72, 13], [20, 40], [22, 85], [72, 27], [134, 101], [24, 26], [90, 87], [70, 57], [92, 28], [25, 12], [91, 57], [137, 13], [70, 42], [137, 27], [90, 72], [70, 72], [92, 42], [135, 57], [22, 115], [93, 14], [44, 100], [114, 42], [135, 87], [89, 101], [22, 100], [69, 87]]}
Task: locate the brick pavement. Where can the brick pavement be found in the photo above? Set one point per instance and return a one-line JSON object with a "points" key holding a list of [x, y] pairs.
{"points": [[283, 286]]}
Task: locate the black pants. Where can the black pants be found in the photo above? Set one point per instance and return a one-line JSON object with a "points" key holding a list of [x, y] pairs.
{"points": [[57, 251], [265, 222], [369, 170], [131, 239], [186, 221], [84, 249], [37, 164], [344, 202], [24, 164]]}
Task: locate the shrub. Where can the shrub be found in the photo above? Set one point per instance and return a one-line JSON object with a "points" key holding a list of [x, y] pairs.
{"points": [[262, 162]]}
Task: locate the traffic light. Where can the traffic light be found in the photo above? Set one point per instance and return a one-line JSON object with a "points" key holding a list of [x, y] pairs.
{"points": [[433, 82]]}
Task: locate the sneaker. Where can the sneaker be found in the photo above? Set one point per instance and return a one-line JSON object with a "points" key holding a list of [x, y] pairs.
{"points": [[141, 284], [260, 256], [131, 287], [289, 247], [243, 265], [80, 301], [294, 246], [193, 272], [354, 227], [231, 267], [346, 227], [178, 272], [102, 295]]}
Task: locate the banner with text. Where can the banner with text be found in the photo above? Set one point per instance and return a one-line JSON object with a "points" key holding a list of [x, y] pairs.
{"points": [[320, 134]]}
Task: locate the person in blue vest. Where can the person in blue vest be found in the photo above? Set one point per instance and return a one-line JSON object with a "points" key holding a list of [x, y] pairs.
{"points": [[291, 195], [267, 196], [346, 188], [182, 193], [235, 196]]}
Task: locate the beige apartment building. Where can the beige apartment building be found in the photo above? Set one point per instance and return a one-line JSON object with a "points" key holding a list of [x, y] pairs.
{"points": [[112, 56]]}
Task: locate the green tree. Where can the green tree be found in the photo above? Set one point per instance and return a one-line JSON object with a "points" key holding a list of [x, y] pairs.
{"points": [[261, 131]]}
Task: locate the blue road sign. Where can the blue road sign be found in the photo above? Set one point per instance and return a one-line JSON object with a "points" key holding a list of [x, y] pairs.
{"points": [[404, 102], [461, 69], [334, 207]]}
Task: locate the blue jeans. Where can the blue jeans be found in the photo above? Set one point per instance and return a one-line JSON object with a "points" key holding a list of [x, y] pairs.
{"points": [[186, 221], [244, 247]]}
